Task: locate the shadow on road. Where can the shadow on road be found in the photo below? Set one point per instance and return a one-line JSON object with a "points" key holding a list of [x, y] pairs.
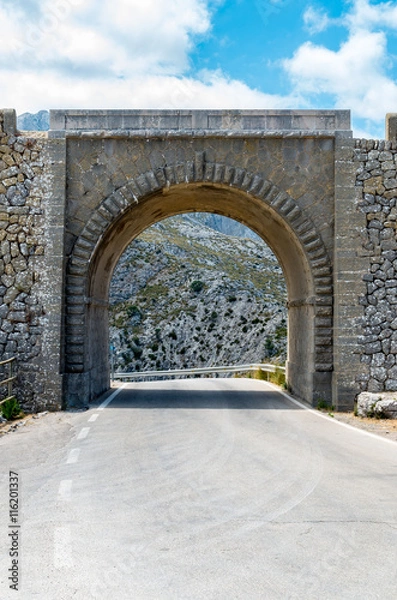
{"points": [[201, 399]]}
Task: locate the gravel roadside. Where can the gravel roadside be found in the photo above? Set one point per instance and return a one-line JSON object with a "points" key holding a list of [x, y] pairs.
{"points": [[384, 427]]}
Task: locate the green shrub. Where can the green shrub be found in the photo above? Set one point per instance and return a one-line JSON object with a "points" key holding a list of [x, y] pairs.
{"points": [[259, 374], [281, 331], [10, 409], [278, 378], [324, 405], [270, 348], [197, 286], [133, 311]]}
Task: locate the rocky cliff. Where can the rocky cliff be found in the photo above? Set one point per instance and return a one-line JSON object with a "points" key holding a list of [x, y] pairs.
{"points": [[185, 295], [39, 121]]}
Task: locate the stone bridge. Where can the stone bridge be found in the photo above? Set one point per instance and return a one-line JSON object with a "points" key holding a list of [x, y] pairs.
{"points": [[72, 199]]}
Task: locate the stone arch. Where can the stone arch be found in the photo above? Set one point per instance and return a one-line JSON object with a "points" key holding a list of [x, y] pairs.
{"points": [[184, 187]]}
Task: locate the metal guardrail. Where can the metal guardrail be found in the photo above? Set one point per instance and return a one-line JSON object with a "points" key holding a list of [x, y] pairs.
{"points": [[10, 379], [199, 371]]}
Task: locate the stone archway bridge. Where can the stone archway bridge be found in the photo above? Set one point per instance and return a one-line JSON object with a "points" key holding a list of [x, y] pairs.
{"points": [[72, 199]]}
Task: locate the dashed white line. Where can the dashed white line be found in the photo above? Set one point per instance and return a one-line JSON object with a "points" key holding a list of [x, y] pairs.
{"points": [[62, 535], [63, 547], [65, 490], [111, 397], [83, 433], [73, 456]]}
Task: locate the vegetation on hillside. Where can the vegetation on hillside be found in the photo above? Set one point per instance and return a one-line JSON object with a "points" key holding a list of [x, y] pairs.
{"points": [[185, 295]]}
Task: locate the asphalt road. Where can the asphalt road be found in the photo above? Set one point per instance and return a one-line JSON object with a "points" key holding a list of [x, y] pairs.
{"points": [[203, 489]]}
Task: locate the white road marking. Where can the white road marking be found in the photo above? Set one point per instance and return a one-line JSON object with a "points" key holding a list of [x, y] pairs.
{"points": [[63, 547], [83, 433], [93, 418], [332, 420], [73, 456], [65, 490], [111, 397]]}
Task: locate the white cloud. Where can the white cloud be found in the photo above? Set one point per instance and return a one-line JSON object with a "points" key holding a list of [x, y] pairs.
{"points": [[127, 37], [10, 28], [355, 75], [366, 16], [129, 54], [212, 90], [316, 20]]}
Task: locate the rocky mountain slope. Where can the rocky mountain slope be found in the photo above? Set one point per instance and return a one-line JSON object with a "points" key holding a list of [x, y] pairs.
{"points": [[185, 295], [39, 121]]}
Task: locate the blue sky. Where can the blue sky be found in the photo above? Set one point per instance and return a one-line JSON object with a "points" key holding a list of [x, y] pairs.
{"points": [[201, 54]]}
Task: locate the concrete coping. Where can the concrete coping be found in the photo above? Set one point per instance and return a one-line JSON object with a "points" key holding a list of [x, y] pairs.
{"points": [[269, 121], [196, 133]]}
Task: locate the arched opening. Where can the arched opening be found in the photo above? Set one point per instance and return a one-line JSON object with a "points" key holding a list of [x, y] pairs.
{"points": [[196, 290], [92, 376]]}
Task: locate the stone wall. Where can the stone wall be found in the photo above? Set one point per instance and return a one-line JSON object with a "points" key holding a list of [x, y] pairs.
{"points": [[24, 184], [376, 181]]}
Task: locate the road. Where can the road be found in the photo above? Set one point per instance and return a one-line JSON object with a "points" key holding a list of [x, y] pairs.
{"points": [[203, 489]]}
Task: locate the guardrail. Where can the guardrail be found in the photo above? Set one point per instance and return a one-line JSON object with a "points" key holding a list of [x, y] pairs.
{"points": [[10, 379], [199, 371]]}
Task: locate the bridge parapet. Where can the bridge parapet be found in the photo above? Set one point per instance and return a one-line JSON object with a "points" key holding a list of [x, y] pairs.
{"points": [[303, 122]]}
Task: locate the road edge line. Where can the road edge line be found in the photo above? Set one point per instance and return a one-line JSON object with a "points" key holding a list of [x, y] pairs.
{"points": [[111, 397], [330, 419]]}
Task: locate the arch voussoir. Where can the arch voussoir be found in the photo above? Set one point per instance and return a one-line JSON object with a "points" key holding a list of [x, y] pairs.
{"points": [[279, 200], [189, 171], [209, 169], [120, 200], [153, 184], [287, 207], [238, 177], [143, 185], [256, 185], [218, 172], [179, 173], [112, 206], [170, 175], [228, 174], [199, 160], [294, 215], [247, 181]]}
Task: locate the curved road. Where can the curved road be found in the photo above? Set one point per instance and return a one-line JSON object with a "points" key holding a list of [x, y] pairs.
{"points": [[200, 489]]}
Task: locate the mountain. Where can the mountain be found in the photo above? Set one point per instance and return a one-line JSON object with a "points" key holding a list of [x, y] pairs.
{"points": [[34, 122], [185, 295], [225, 225]]}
